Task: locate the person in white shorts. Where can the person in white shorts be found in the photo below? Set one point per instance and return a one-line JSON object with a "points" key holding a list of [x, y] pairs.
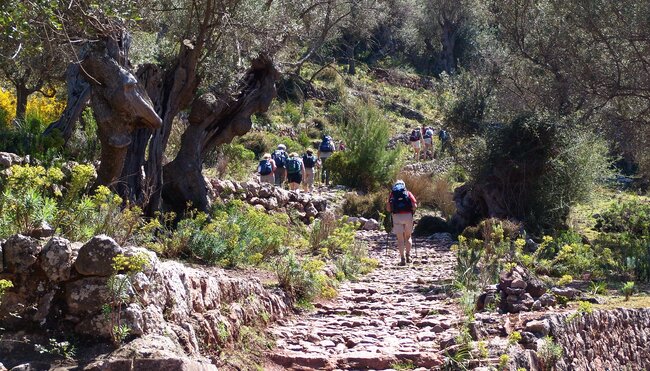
{"points": [[416, 142], [402, 204]]}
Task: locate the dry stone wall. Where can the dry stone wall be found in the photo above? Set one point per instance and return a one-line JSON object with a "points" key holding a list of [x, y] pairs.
{"points": [[63, 286], [268, 197], [616, 339]]}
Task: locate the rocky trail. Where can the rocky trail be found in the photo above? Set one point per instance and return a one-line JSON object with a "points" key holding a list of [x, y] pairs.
{"points": [[393, 316]]}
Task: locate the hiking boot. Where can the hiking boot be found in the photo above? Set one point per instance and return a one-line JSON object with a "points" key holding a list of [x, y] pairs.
{"points": [[402, 262], [408, 259]]}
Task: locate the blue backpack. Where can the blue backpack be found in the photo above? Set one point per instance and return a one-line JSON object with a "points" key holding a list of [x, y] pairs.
{"points": [[280, 158], [443, 135], [400, 200], [326, 145], [265, 167]]}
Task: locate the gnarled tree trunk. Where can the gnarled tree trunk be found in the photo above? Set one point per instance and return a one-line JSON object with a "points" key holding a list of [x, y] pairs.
{"points": [[171, 91], [119, 103], [213, 121]]}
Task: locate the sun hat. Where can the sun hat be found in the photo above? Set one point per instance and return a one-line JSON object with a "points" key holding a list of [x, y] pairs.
{"points": [[399, 185], [266, 156], [282, 146]]}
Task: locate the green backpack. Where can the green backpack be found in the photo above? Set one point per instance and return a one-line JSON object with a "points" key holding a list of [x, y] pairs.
{"points": [[293, 165]]}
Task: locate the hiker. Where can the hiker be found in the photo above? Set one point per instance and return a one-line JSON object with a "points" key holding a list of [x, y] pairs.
{"points": [[325, 150], [266, 168], [309, 160], [427, 135], [280, 158], [402, 204], [416, 142], [445, 139], [295, 171]]}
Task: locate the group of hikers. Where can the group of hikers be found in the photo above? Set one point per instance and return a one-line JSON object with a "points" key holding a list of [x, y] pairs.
{"points": [[297, 169], [421, 140]]}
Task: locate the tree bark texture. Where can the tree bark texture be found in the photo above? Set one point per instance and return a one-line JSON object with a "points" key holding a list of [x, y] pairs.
{"points": [[170, 91], [120, 106], [215, 120], [22, 93], [78, 97]]}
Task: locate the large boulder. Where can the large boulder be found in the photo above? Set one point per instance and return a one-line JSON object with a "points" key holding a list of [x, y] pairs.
{"points": [[96, 256], [56, 259], [20, 253], [86, 295], [7, 159]]}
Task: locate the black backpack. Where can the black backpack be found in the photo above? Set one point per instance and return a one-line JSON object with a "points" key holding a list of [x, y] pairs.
{"points": [[415, 135], [280, 158], [326, 145], [265, 167], [400, 201], [309, 161], [443, 135]]}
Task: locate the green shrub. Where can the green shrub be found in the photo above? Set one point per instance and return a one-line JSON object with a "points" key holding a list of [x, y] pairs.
{"points": [[28, 198], [303, 279], [479, 262], [549, 352], [4, 286], [545, 164], [627, 289], [238, 234], [626, 231], [234, 161], [367, 164], [567, 255]]}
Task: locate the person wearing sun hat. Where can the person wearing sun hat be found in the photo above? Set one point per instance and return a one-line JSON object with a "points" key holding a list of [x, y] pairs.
{"points": [[402, 204], [266, 169]]}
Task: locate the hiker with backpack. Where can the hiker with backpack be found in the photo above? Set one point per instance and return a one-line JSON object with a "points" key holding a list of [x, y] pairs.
{"points": [[309, 161], [295, 171], [416, 142], [402, 205], [325, 150], [279, 156], [427, 135], [445, 141], [266, 168]]}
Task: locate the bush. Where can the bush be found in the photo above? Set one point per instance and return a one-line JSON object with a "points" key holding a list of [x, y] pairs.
{"points": [[542, 167], [626, 231], [303, 279], [367, 164], [370, 205], [234, 161], [28, 199], [236, 235]]}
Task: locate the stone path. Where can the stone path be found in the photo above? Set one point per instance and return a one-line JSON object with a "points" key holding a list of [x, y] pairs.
{"points": [[390, 317]]}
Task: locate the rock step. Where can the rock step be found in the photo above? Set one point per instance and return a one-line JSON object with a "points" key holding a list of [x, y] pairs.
{"points": [[392, 315], [355, 360]]}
